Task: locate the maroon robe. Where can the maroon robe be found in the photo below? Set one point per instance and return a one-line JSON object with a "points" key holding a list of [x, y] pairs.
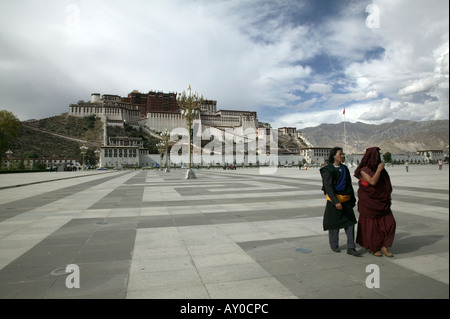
{"points": [[376, 224]]}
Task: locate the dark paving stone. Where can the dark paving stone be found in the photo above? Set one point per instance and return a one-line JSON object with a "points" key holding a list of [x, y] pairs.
{"points": [[26, 289], [101, 280], [121, 197], [81, 242]]}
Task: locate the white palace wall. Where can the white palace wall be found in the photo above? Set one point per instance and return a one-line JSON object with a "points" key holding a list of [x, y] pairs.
{"points": [[105, 112], [160, 122], [150, 160]]}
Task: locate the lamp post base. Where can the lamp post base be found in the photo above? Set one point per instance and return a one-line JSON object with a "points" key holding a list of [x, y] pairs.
{"points": [[190, 174]]}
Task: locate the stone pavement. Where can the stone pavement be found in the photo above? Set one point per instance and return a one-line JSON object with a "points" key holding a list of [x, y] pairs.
{"points": [[225, 235]]}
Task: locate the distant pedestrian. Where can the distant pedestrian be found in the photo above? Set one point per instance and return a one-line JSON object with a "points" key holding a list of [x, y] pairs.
{"points": [[406, 166], [337, 185], [440, 164]]}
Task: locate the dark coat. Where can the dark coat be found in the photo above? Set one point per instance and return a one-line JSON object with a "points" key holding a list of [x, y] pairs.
{"points": [[334, 218]]}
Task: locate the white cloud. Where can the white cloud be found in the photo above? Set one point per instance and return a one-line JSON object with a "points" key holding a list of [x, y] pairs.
{"points": [[418, 86], [274, 57], [319, 88]]}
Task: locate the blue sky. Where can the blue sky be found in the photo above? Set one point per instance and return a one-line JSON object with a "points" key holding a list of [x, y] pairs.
{"points": [[297, 63]]}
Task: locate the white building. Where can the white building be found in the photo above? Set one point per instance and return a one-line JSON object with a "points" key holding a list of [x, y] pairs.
{"points": [[108, 108], [122, 152], [431, 155], [315, 155]]}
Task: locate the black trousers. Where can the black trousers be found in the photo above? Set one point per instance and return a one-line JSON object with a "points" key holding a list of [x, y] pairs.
{"points": [[333, 235]]}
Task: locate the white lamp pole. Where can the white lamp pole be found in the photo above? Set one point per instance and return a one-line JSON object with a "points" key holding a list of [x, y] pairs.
{"points": [[83, 149]]}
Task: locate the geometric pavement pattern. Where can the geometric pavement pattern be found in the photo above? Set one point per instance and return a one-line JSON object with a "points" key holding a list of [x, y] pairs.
{"points": [[226, 234]]}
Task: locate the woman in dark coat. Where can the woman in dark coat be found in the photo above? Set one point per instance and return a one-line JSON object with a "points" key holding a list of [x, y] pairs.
{"points": [[376, 224], [337, 185]]}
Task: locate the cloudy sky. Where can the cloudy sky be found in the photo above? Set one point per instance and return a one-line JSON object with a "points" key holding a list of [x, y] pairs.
{"points": [[297, 63]]}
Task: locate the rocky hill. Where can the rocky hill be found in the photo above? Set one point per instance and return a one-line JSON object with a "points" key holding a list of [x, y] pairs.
{"points": [[397, 137], [58, 136], [63, 135]]}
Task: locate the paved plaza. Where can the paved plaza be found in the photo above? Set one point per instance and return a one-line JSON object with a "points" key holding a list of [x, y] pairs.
{"points": [[228, 234]]}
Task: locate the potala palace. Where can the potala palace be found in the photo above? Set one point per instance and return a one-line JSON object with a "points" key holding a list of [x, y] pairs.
{"points": [[156, 112]]}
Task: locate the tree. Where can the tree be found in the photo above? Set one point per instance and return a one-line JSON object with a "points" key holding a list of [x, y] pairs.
{"points": [[387, 157], [30, 154], [9, 129]]}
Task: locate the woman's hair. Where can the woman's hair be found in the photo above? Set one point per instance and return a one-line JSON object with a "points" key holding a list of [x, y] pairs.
{"points": [[333, 154]]}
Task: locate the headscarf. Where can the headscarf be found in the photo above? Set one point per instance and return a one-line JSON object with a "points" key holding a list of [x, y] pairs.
{"points": [[369, 160], [373, 200]]}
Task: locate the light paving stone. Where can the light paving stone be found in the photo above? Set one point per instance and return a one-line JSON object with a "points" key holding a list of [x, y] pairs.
{"points": [[232, 258], [204, 248], [258, 288], [95, 213], [140, 265], [164, 279], [164, 252], [422, 210], [182, 292], [125, 212], [154, 211], [433, 265], [231, 272]]}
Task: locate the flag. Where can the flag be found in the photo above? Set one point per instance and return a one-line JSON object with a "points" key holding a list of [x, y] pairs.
{"points": [[344, 111]]}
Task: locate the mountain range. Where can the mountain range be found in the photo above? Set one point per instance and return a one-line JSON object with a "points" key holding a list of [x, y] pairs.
{"points": [[397, 137]]}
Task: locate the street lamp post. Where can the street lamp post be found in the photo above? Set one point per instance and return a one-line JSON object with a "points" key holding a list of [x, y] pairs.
{"points": [[8, 158], [165, 141], [97, 155], [160, 147], [83, 149], [190, 104]]}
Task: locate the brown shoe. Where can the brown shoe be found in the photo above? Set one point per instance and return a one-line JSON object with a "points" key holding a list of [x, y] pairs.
{"points": [[376, 253], [386, 252]]}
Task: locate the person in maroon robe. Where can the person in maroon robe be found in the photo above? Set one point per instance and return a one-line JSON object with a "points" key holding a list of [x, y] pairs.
{"points": [[376, 224]]}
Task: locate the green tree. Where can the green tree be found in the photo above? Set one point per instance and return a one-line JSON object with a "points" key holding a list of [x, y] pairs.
{"points": [[90, 121], [38, 165], [9, 129], [387, 157], [21, 164], [30, 154]]}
